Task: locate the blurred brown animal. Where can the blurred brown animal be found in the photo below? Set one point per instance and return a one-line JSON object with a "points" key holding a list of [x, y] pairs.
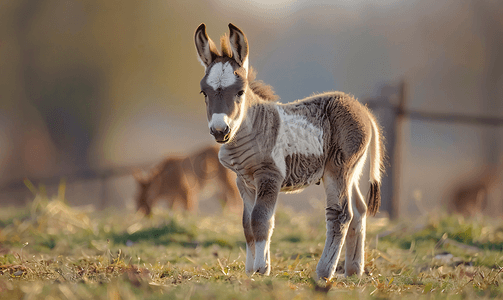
{"points": [[179, 181], [470, 199]]}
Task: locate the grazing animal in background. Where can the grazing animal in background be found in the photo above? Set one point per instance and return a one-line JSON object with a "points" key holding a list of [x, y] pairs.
{"points": [[274, 147], [179, 180], [482, 191]]}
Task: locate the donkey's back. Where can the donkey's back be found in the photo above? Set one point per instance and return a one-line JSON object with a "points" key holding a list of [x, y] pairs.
{"points": [[331, 129], [346, 121]]}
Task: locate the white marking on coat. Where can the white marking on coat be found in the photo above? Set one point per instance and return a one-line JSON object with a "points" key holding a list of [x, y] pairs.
{"points": [[296, 136], [221, 75], [219, 121]]}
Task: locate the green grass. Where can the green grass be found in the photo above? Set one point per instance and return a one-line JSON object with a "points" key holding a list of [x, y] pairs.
{"points": [[51, 250]]}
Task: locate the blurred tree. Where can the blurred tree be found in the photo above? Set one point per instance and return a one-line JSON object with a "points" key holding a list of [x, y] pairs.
{"points": [[62, 85]]}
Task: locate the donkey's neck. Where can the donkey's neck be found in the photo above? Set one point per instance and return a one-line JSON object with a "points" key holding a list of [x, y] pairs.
{"points": [[248, 128], [250, 149], [258, 127]]}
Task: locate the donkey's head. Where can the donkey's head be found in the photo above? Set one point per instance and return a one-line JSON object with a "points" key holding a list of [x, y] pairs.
{"points": [[224, 84]]}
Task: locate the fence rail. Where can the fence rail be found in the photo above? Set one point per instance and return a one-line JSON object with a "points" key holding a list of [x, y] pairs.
{"points": [[396, 114], [79, 176], [440, 117], [393, 133]]}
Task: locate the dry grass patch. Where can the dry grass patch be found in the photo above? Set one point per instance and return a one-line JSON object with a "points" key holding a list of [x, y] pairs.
{"points": [[52, 250]]}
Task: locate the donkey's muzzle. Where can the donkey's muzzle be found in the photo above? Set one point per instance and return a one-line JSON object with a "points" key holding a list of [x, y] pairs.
{"points": [[221, 136]]}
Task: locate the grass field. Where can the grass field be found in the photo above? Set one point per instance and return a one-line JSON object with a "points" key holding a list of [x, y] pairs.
{"points": [[50, 250]]}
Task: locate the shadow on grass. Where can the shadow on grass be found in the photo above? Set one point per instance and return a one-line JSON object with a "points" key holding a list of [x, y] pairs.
{"points": [[293, 238], [168, 234], [164, 235], [468, 234]]}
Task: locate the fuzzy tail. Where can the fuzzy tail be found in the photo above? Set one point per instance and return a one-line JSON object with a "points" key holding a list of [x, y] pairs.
{"points": [[374, 201], [376, 167]]}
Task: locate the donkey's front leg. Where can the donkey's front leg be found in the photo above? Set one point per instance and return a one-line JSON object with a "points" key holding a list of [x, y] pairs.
{"points": [[248, 196], [338, 216], [262, 219]]}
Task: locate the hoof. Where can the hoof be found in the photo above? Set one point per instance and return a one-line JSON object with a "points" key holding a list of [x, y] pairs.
{"points": [[249, 272], [322, 275], [262, 270]]}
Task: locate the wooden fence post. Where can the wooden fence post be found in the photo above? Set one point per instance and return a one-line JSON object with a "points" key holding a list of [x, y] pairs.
{"points": [[390, 108]]}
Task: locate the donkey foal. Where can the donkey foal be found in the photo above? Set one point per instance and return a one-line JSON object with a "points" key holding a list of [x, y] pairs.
{"points": [[275, 147]]}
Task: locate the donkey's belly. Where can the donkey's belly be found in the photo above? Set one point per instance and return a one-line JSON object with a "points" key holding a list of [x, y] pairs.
{"points": [[301, 171]]}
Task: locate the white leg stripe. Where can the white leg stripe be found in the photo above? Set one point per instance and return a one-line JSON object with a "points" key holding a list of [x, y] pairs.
{"points": [[260, 255], [250, 260]]}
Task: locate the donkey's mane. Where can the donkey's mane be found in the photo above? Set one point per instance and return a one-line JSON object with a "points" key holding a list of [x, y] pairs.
{"points": [[258, 87]]}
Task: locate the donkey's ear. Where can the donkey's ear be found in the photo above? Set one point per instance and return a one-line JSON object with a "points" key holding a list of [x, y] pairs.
{"points": [[239, 46], [205, 47]]}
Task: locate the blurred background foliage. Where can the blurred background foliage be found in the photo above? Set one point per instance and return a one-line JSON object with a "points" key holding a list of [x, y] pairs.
{"points": [[88, 84]]}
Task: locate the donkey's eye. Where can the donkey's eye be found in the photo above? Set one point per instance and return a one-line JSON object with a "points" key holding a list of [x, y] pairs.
{"points": [[240, 93], [204, 94]]}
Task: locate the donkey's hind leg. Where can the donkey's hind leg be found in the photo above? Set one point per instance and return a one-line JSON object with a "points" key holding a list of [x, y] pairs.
{"points": [[248, 196], [355, 239], [338, 216]]}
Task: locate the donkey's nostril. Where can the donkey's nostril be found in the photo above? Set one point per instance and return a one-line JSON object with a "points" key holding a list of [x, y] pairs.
{"points": [[226, 130], [221, 136], [214, 131]]}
